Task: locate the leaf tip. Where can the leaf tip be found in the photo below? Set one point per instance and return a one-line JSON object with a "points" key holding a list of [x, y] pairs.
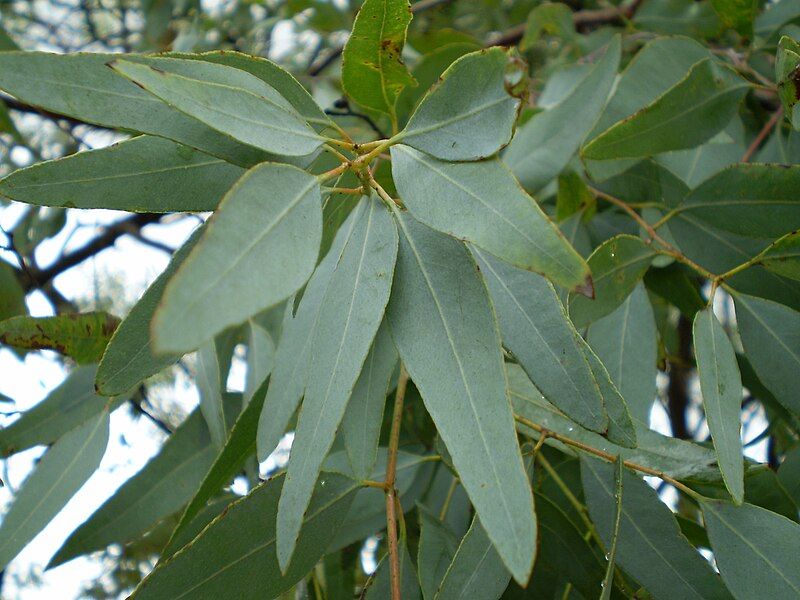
{"points": [[586, 287]]}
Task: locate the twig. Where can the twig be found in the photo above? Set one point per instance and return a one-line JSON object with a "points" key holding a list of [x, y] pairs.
{"points": [[391, 475], [754, 145]]}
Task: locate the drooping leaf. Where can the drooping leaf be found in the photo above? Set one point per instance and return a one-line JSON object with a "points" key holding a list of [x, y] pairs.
{"points": [[293, 356], [470, 114], [755, 549], [649, 546], [437, 547], [617, 266], [130, 357], [688, 114], [749, 199], [545, 144], [770, 335], [721, 386], [626, 343], [253, 114], [380, 587], [80, 336], [213, 364], [83, 87], [461, 199], [443, 325], [535, 328], [611, 557], [235, 554], [159, 489], [361, 424], [62, 471], [477, 571], [373, 72], [349, 317], [273, 210], [239, 446], [69, 405], [145, 174], [783, 256], [260, 357], [677, 458]]}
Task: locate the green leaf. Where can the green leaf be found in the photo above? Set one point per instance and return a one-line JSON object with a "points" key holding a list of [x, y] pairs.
{"points": [[755, 550], [130, 356], [721, 386], [466, 207], [69, 405], [239, 446], [617, 266], [62, 471], [83, 87], [672, 456], [158, 490], [789, 474], [535, 328], [611, 557], [80, 336], [293, 356], [650, 546], [361, 424], [444, 328], [684, 17], [349, 317], [573, 195], [252, 114], [274, 211], [477, 571], [235, 555], [770, 335], [787, 61], [437, 547], [626, 342], [211, 378], [260, 358], [749, 199], [551, 18], [737, 14], [688, 114], [12, 296], [544, 146], [145, 174], [470, 114], [783, 256], [381, 585], [373, 73]]}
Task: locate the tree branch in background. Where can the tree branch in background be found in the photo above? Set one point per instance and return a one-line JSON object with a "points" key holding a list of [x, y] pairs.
{"points": [[678, 388]]}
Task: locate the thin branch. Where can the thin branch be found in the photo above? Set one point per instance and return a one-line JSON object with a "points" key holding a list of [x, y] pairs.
{"points": [[756, 143]]}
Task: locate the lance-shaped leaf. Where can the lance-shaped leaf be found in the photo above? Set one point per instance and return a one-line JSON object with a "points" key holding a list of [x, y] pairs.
{"points": [[71, 404], [545, 144], [690, 113], [239, 446], [373, 73], [672, 456], [350, 315], [381, 586], [611, 557], [82, 86], [444, 327], [617, 266], [235, 555], [62, 471], [755, 550], [260, 357], [145, 174], [159, 489], [212, 373], [626, 343], [80, 336], [535, 328], [476, 571], [650, 545], [461, 199], [771, 338], [361, 424], [288, 379], [129, 357], [260, 119], [437, 547], [470, 114], [273, 211], [783, 256], [721, 385], [750, 200]]}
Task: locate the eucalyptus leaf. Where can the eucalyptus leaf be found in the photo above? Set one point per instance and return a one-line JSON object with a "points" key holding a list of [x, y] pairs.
{"points": [[783, 256], [437, 547]]}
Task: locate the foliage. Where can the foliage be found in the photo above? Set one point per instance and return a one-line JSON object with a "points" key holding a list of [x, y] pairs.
{"points": [[456, 283]]}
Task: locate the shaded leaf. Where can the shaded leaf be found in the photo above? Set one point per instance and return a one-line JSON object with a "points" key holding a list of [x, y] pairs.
{"points": [[443, 325], [437, 547], [260, 358], [381, 585], [611, 557], [12, 296], [783, 256]]}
